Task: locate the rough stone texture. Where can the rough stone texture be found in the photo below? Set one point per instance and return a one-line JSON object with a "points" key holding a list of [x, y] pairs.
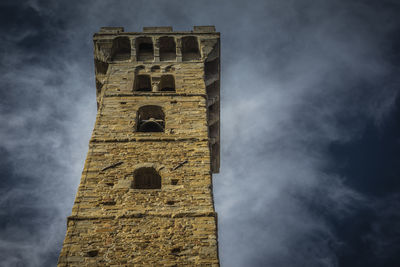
{"points": [[112, 222]]}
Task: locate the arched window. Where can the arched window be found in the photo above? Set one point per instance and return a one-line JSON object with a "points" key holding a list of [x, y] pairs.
{"points": [[146, 178], [169, 68], [167, 83], [140, 68], [142, 83], [121, 49], [167, 48], [155, 69], [190, 48], [144, 48], [150, 119]]}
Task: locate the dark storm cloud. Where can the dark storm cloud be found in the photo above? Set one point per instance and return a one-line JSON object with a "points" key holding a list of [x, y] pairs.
{"points": [[38, 146], [302, 82]]}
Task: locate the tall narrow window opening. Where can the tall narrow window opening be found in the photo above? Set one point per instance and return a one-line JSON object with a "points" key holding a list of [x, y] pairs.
{"points": [[146, 178], [215, 156], [212, 89], [214, 130], [190, 48], [144, 48], [142, 83], [167, 83], [150, 119], [167, 48], [121, 49], [101, 67], [211, 67]]}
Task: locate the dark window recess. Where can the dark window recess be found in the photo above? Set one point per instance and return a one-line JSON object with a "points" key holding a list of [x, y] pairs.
{"points": [[142, 83], [167, 83], [150, 119], [121, 49], [99, 85], [108, 202], [174, 181], [176, 250], [212, 89], [214, 130], [101, 67], [211, 67], [155, 69], [139, 68], [213, 115], [167, 48], [169, 68], [190, 48], [144, 47], [146, 178], [215, 156], [213, 108]]}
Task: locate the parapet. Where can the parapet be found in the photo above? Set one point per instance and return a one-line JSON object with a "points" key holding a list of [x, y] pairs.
{"points": [[111, 29], [156, 30], [204, 28]]}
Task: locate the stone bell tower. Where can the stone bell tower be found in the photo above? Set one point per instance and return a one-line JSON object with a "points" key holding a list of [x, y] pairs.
{"points": [[145, 197]]}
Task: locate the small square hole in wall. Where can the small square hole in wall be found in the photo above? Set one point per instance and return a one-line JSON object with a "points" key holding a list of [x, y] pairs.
{"points": [[170, 202], [108, 202], [176, 250], [174, 181], [92, 253]]}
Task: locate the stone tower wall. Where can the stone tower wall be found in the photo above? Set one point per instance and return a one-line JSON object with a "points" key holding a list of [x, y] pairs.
{"points": [[112, 222]]}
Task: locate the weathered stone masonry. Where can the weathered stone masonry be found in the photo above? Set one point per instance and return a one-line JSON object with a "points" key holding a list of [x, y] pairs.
{"points": [[145, 197]]}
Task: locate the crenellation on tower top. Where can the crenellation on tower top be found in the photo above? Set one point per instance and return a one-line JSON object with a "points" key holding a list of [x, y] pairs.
{"points": [[111, 29], [201, 30], [204, 29], [157, 29]]}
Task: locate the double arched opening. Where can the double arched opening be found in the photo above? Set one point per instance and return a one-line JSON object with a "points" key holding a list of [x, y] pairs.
{"points": [[147, 83]]}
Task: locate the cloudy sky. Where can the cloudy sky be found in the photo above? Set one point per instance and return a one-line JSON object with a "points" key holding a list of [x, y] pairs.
{"points": [[310, 161]]}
